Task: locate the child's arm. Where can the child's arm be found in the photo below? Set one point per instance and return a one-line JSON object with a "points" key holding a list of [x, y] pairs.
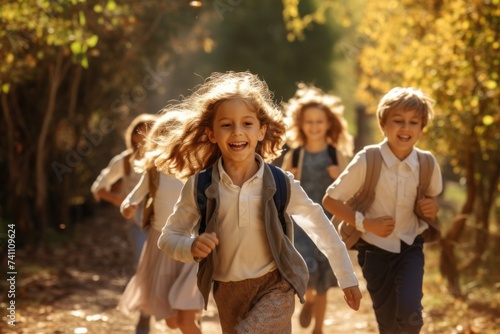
{"points": [[334, 171], [128, 206], [381, 226], [108, 196], [180, 231], [352, 296], [101, 188], [429, 207], [204, 244], [312, 219]]}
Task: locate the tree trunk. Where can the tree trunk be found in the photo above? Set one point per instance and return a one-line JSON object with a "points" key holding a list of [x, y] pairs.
{"points": [[448, 264], [19, 200], [55, 77], [489, 184]]}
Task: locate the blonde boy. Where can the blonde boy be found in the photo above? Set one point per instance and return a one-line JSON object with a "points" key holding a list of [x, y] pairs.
{"points": [[390, 249]]}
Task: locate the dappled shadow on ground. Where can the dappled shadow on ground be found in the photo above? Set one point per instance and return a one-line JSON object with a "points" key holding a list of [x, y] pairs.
{"points": [[74, 287]]}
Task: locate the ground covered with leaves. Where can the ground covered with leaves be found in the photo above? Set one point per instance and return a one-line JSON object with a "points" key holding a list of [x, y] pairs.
{"points": [[74, 285]]}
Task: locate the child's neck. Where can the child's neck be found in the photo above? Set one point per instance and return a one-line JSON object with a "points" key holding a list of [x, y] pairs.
{"points": [[315, 145], [240, 172]]}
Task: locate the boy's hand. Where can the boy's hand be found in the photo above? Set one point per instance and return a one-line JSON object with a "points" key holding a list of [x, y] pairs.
{"points": [[381, 226], [204, 244], [429, 207], [129, 210], [352, 296], [334, 171]]}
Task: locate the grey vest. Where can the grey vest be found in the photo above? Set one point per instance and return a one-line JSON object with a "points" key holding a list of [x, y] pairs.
{"points": [[289, 262]]}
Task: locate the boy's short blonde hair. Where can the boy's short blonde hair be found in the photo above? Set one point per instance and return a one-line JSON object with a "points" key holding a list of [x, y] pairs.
{"points": [[405, 99]]}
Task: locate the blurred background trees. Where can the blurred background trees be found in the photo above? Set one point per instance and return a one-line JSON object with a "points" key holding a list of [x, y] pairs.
{"points": [[451, 50], [75, 72]]}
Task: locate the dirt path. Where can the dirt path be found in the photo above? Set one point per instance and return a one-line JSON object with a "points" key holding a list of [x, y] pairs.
{"points": [[75, 288]]}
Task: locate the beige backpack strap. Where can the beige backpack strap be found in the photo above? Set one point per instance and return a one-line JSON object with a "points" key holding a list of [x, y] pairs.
{"points": [[154, 180], [364, 198], [148, 210], [426, 168]]}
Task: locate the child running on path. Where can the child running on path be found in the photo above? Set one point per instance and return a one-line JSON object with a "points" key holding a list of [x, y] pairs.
{"points": [[390, 251], [321, 149], [162, 287], [234, 127], [122, 168]]}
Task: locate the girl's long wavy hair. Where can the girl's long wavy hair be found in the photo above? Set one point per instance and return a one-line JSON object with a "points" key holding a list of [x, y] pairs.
{"points": [[192, 151], [158, 142], [308, 96]]}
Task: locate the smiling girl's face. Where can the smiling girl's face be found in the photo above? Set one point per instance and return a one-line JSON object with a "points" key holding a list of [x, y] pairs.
{"points": [[237, 131]]}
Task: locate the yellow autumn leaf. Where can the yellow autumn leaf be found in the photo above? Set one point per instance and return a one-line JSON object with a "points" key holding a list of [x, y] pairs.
{"points": [[488, 120]]}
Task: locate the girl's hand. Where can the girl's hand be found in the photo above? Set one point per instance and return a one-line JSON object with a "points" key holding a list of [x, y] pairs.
{"points": [[381, 226], [429, 207], [129, 210], [352, 296], [334, 171], [204, 244]]}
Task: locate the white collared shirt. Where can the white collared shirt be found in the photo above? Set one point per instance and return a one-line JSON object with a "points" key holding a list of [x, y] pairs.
{"points": [[395, 194], [243, 248]]}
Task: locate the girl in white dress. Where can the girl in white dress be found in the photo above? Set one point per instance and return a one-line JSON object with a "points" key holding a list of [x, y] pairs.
{"points": [[121, 168], [162, 287]]}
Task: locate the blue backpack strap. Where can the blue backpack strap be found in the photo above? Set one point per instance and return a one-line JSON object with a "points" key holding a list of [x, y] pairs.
{"points": [[203, 181], [281, 196]]}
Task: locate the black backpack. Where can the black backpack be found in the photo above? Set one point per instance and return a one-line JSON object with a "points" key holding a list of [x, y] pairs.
{"points": [[204, 180]]}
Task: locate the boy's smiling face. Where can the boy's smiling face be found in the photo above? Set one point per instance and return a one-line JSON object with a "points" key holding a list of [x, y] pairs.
{"points": [[402, 130], [237, 131]]}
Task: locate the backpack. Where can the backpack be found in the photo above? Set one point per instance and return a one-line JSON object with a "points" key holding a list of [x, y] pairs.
{"points": [[332, 153], [364, 198], [204, 180], [148, 210]]}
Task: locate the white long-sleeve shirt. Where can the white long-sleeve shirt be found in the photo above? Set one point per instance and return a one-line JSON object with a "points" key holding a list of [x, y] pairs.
{"points": [[395, 191], [114, 172], [243, 250]]}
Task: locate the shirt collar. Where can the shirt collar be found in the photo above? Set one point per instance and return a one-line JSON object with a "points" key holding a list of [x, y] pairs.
{"points": [[226, 179], [390, 159]]}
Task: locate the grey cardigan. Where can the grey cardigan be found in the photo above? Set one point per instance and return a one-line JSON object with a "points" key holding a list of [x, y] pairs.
{"points": [[290, 264]]}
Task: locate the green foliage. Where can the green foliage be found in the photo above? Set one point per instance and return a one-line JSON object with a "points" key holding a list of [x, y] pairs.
{"points": [[252, 36], [450, 51], [68, 66]]}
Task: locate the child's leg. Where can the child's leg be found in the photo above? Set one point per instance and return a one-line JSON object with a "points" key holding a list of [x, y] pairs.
{"points": [[409, 281], [260, 305], [172, 322], [380, 283], [188, 321], [319, 312], [307, 309], [394, 282]]}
